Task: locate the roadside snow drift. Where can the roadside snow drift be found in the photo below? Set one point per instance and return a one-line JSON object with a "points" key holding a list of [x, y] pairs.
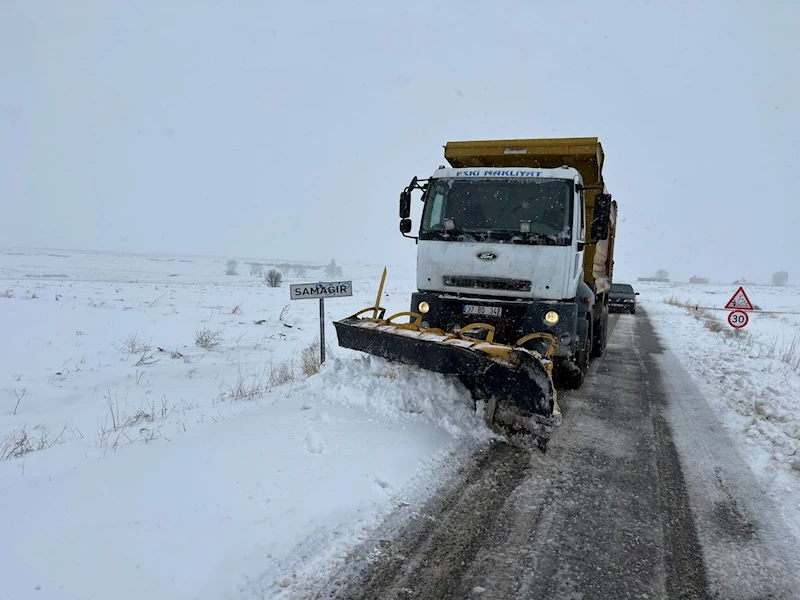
{"points": [[140, 465], [751, 377]]}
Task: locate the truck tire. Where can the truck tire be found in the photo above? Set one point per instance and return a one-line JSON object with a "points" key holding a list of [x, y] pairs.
{"points": [[600, 335], [573, 378]]}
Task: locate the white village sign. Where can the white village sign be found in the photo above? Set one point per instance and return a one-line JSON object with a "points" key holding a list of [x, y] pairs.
{"points": [[320, 291]]}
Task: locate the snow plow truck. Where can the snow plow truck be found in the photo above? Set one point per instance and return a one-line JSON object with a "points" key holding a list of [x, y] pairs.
{"points": [[514, 267]]}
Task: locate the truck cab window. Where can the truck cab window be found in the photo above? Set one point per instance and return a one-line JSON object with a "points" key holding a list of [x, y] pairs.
{"points": [[433, 208], [495, 208]]}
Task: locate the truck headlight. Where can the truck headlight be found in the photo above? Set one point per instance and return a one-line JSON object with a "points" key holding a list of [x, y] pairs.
{"points": [[424, 307], [551, 317]]}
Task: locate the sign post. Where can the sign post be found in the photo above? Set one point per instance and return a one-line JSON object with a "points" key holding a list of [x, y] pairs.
{"points": [[321, 330], [739, 304], [321, 290]]}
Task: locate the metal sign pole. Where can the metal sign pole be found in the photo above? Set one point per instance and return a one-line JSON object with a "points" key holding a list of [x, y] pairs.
{"points": [[321, 330]]}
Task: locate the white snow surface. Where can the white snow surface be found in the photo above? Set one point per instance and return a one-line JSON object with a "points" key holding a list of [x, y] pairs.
{"points": [[751, 378], [197, 473]]}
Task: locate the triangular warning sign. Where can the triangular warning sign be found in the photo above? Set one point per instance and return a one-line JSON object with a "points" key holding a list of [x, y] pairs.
{"points": [[740, 301]]}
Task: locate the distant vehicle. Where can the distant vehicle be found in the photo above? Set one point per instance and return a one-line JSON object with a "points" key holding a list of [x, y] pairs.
{"points": [[622, 298], [697, 279]]}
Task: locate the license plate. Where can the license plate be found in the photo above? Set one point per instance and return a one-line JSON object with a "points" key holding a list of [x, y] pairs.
{"points": [[489, 311]]}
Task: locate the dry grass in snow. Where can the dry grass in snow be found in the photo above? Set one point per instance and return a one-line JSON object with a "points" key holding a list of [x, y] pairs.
{"points": [[19, 442], [281, 373], [310, 359], [787, 352], [207, 339], [134, 345], [124, 425]]}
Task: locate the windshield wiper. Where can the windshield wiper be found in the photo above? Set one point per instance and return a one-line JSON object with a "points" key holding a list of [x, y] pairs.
{"points": [[451, 229], [529, 237], [452, 234]]}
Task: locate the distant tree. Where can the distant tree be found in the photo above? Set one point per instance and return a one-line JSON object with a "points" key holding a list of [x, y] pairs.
{"points": [[662, 274], [273, 278], [299, 271], [256, 269], [230, 267], [331, 270], [780, 278]]}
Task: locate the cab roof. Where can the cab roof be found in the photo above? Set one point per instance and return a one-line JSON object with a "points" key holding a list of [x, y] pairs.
{"points": [[567, 173]]}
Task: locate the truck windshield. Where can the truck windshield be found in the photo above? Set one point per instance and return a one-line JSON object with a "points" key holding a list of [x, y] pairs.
{"points": [[492, 209]]}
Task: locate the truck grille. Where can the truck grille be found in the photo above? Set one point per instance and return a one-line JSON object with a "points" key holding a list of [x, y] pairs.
{"points": [[488, 283]]}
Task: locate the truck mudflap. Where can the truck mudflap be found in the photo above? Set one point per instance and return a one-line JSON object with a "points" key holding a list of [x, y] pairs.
{"points": [[515, 382]]}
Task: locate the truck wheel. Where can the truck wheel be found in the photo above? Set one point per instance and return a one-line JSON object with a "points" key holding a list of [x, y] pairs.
{"points": [[601, 336], [573, 378]]}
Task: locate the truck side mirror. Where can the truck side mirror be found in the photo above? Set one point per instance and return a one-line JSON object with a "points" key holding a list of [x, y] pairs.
{"points": [[602, 216], [405, 204], [405, 226]]}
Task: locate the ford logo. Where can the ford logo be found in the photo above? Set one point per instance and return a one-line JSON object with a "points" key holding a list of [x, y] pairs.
{"points": [[487, 255]]}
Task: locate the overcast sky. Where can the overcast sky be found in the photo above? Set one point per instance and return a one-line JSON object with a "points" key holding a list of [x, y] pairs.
{"points": [[288, 129]]}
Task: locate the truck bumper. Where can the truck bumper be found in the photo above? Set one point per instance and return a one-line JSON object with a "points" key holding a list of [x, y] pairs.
{"points": [[518, 318]]}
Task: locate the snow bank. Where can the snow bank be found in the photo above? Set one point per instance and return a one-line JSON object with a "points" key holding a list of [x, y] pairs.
{"points": [[396, 391]]}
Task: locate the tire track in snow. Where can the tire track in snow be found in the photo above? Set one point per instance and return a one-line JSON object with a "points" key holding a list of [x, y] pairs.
{"points": [[438, 544]]}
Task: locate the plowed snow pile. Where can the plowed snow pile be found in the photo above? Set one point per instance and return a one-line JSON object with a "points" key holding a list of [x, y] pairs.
{"points": [[139, 465]]}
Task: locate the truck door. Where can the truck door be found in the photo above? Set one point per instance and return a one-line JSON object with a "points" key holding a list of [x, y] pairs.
{"points": [[579, 226]]}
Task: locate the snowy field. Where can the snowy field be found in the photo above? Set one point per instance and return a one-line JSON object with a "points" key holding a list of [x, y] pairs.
{"points": [[140, 465], [751, 376]]}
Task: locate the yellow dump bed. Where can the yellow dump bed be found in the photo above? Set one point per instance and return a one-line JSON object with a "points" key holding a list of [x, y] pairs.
{"points": [[584, 154]]}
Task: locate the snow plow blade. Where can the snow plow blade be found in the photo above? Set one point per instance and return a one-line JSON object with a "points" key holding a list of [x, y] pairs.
{"points": [[514, 381]]}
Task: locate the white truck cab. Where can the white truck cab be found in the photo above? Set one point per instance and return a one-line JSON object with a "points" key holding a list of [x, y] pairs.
{"points": [[508, 233]]}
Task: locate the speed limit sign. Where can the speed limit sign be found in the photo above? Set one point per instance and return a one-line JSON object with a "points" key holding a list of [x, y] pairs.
{"points": [[738, 319]]}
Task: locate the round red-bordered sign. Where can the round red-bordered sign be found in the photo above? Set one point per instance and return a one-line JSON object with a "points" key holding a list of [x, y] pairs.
{"points": [[738, 319]]}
